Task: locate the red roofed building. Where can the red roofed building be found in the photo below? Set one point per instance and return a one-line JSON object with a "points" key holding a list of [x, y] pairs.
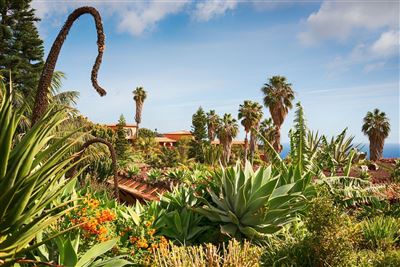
{"points": [[178, 135], [130, 130]]}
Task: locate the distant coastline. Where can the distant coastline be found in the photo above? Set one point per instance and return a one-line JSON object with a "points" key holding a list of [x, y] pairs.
{"points": [[391, 150]]}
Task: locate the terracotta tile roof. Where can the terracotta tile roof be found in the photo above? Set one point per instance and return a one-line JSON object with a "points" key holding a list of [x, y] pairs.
{"points": [[234, 142], [115, 125], [131, 190], [164, 140], [179, 132]]}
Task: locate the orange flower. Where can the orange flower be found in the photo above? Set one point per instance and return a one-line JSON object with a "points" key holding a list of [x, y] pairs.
{"points": [[133, 239], [151, 232], [142, 243]]}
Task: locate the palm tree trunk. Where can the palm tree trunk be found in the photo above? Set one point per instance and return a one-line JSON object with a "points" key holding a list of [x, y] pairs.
{"points": [[137, 131], [138, 116], [252, 145], [277, 144], [246, 144], [376, 148], [228, 152], [113, 159], [41, 101]]}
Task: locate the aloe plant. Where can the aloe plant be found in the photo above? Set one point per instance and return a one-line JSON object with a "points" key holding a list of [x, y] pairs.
{"points": [[258, 203], [31, 169]]}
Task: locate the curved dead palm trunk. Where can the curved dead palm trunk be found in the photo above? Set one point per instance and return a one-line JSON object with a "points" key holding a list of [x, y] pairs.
{"points": [[41, 101], [113, 159]]}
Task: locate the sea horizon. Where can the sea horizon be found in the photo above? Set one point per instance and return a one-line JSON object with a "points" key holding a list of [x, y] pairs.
{"points": [[390, 150]]}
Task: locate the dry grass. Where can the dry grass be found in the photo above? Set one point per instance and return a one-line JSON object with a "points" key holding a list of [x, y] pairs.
{"points": [[230, 255]]}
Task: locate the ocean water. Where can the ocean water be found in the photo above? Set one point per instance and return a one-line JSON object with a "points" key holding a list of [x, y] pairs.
{"points": [[390, 150]]}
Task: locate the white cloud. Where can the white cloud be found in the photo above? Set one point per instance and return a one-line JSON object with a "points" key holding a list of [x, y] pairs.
{"points": [[338, 20], [207, 10], [355, 22], [134, 17], [388, 44], [373, 55], [136, 21]]}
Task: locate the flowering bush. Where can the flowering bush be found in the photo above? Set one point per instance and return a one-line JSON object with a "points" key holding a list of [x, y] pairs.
{"points": [[99, 219]]}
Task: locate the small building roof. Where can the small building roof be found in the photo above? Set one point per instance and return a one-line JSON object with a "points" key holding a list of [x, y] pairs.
{"points": [[164, 140], [127, 125], [234, 142], [179, 132]]}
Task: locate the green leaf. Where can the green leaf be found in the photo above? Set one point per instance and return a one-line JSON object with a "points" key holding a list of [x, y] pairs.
{"points": [[95, 252]]}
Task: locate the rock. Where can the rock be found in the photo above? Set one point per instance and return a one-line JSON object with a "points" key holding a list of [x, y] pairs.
{"points": [[372, 166], [364, 168]]}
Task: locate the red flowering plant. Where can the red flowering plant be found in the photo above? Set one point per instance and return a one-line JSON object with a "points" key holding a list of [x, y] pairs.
{"points": [[96, 221], [100, 219]]}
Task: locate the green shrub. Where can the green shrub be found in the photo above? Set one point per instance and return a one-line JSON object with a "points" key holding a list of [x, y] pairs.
{"points": [[154, 175], [330, 241], [396, 172], [168, 157], [369, 258], [133, 171], [380, 232], [333, 236]]}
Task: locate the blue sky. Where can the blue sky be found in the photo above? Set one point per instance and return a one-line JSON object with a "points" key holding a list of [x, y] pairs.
{"points": [[342, 58]]}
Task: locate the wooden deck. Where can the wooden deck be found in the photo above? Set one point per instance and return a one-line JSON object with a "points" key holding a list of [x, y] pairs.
{"points": [[131, 190]]}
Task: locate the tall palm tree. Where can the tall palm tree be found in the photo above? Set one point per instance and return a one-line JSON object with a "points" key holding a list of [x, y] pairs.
{"points": [[139, 95], [213, 121], [377, 127], [278, 97], [227, 130], [250, 114]]}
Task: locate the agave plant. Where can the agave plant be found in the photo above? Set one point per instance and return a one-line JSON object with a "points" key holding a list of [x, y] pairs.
{"points": [[176, 218], [31, 169], [351, 191], [336, 152], [258, 203]]}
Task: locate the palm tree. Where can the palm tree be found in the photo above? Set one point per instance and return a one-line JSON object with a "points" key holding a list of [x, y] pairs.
{"points": [[139, 95], [267, 130], [213, 121], [377, 127], [41, 100], [227, 130], [250, 113], [278, 97]]}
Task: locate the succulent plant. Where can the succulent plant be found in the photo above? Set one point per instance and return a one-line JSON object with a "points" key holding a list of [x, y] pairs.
{"points": [[257, 203]]}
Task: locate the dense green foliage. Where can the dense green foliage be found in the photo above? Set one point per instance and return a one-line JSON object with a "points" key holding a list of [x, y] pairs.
{"points": [[199, 131], [304, 210], [21, 49], [121, 144], [31, 177]]}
